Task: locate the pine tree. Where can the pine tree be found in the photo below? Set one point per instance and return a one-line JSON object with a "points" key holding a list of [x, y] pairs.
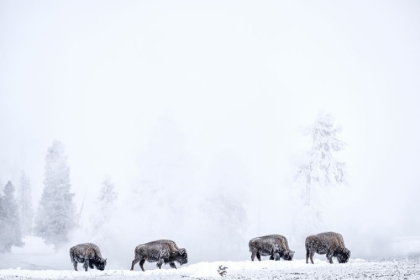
{"points": [[56, 215], [319, 170], [103, 221], [9, 220], [25, 205], [105, 204]]}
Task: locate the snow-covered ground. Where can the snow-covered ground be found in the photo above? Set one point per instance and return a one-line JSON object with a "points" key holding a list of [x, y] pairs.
{"points": [[39, 261], [297, 269]]}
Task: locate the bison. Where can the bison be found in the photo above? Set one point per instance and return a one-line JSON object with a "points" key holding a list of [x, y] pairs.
{"points": [[275, 246], [88, 254], [160, 251], [329, 243]]}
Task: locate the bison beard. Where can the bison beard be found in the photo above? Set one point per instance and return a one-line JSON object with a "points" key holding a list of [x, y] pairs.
{"points": [[160, 251], [88, 254], [329, 243]]}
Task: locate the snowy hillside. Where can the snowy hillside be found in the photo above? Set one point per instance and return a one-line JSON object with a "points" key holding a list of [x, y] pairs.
{"points": [[298, 269]]}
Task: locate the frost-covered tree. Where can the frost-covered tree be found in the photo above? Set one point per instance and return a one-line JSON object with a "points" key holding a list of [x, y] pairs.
{"points": [[56, 211], [318, 171], [9, 220], [24, 199], [104, 221], [105, 204], [106, 226], [320, 168]]}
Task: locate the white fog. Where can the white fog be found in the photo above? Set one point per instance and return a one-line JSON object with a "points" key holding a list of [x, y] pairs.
{"points": [[198, 115]]}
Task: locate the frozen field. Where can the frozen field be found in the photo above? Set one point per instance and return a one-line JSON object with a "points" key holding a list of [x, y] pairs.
{"points": [[298, 269]]}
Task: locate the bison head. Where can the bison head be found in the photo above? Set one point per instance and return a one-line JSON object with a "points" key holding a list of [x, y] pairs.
{"points": [[100, 264], [182, 257], [288, 255], [344, 255]]}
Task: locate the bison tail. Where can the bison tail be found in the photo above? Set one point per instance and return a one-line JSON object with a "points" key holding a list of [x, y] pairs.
{"points": [[307, 245], [71, 254], [250, 245]]}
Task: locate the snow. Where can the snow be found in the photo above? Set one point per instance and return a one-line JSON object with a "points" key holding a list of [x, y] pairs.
{"points": [[33, 246], [36, 260], [297, 269], [410, 245]]}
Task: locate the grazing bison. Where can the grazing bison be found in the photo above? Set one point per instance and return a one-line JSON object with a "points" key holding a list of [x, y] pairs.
{"points": [[329, 243], [275, 246], [160, 251], [88, 254]]}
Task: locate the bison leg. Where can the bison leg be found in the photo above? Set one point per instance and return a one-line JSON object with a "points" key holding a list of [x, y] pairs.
{"points": [[311, 255], [86, 264], [172, 264], [72, 259], [252, 256], [258, 256], [159, 263], [141, 264], [307, 255], [74, 265], [329, 257], [276, 256], [272, 258], [136, 260]]}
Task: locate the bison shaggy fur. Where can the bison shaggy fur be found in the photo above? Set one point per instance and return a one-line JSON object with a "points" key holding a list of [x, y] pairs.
{"points": [[160, 251], [329, 243], [88, 254], [274, 245]]}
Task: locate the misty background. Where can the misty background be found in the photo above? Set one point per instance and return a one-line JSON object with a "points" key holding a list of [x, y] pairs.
{"points": [[206, 102]]}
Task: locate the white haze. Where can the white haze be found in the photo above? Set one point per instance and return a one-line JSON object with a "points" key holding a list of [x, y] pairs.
{"points": [[218, 91]]}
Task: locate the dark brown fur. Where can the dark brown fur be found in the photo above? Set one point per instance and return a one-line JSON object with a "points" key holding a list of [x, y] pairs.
{"points": [[329, 243], [88, 254], [274, 245], [160, 251]]}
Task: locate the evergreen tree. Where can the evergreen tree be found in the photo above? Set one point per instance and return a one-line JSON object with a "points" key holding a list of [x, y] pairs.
{"points": [[103, 221], [319, 170], [105, 204], [56, 214], [9, 220], [25, 205]]}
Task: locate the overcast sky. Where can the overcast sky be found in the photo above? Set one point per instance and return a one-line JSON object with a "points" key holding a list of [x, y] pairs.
{"points": [[235, 79]]}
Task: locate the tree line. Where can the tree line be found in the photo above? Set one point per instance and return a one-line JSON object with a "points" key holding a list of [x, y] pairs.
{"points": [[56, 213]]}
